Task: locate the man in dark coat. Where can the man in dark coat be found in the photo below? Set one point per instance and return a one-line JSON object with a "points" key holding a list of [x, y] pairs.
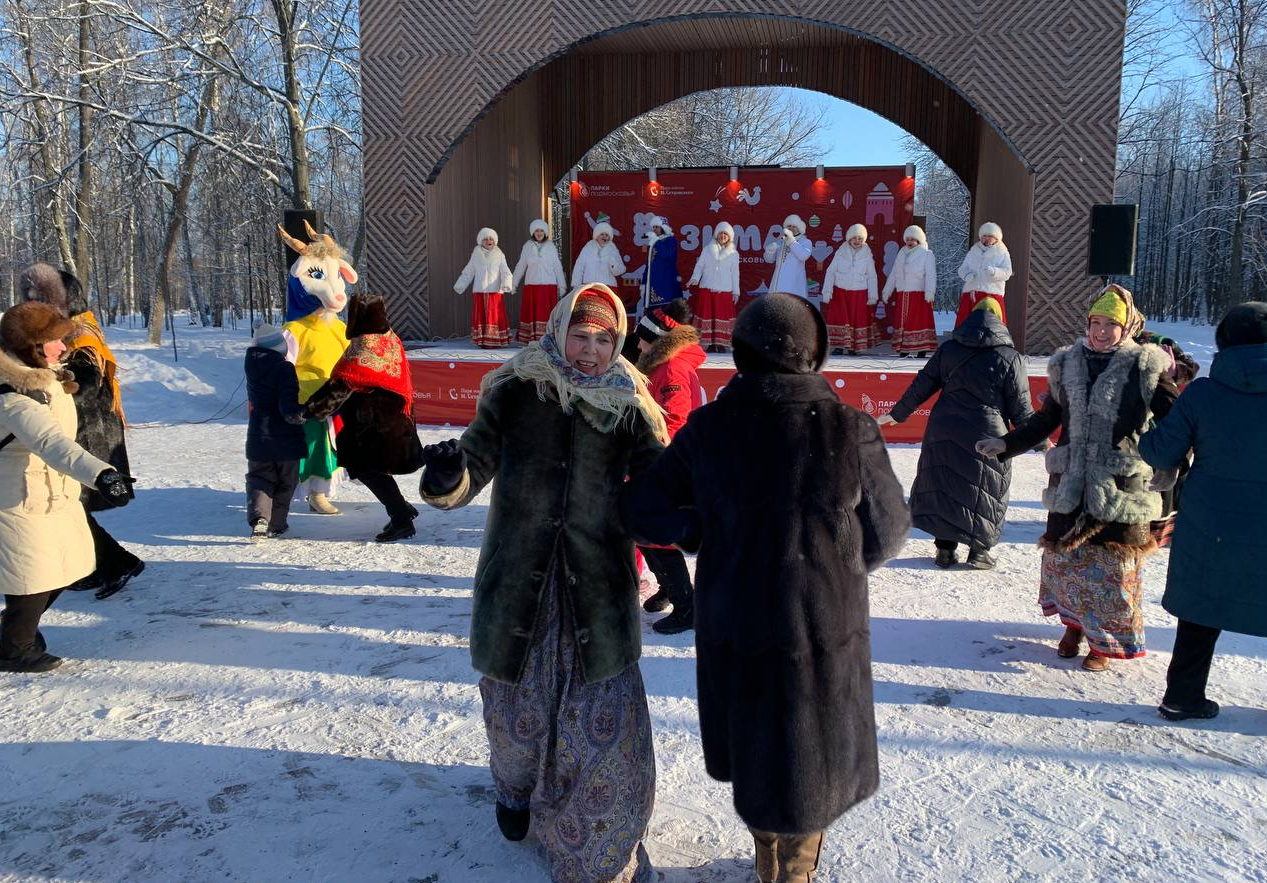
{"points": [[371, 390], [274, 434], [1215, 579], [99, 408], [795, 502], [960, 496]]}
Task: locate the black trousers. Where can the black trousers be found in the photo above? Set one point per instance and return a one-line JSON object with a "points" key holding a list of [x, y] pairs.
{"points": [[1190, 664], [387, 492], [952, 545], [20, 620], [669, 567], [270, 488], [112, 559]]}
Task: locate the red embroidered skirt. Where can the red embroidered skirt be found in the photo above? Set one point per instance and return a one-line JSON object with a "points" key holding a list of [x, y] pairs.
{"points": [[970, 299], [534, 311], [489, 327], [913, 329], [850, 321], [714, 317]]}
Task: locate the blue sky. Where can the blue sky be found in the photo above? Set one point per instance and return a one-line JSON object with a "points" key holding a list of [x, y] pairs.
{"points": [[855, 136]]}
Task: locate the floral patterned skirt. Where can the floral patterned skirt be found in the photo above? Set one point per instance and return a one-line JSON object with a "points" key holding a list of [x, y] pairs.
{"points": [[1098, 589], [578, 755]]}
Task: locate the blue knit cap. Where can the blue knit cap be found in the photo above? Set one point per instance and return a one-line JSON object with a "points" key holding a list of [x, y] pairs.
{"points": [[269, 338]]}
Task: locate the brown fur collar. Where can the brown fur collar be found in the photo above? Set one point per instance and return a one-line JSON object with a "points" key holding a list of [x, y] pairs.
{"points": [[25, 379], [668, 346]]}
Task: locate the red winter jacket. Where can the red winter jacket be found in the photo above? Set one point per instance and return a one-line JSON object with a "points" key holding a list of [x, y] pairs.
{"points": [[670, 366]]}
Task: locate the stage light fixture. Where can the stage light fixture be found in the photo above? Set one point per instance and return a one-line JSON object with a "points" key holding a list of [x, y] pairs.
{"points": [[651, 174], [819, 171], [734, 173], [573, 175], [910, 170]]}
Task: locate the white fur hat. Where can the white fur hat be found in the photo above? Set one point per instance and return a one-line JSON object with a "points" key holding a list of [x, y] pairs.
{"points": [[541, 225], [484, 233], [663, 223], [989, 228], [915, 232], [794, 221], [856, 230], [604, 227], [724, 227]]}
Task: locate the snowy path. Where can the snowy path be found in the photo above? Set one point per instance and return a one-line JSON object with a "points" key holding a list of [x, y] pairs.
{"points": [[304, 710]]}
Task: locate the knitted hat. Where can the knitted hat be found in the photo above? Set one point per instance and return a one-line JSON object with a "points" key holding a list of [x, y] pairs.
{"points": [[28, 326], [268, 337], [655, 324], [989, 228], [780, 333], [856, 230], [593, 308], [989, 305], [1244, 325]]}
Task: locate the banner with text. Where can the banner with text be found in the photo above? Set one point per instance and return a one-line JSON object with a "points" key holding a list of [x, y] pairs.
{"points": [[694, 202], [445, 393]]}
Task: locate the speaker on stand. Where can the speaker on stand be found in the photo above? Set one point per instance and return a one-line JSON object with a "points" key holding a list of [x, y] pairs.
{"points": [[1111, 240]]}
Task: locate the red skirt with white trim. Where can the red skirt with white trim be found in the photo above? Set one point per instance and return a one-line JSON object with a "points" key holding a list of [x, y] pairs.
{"points": [[913, 328], [970, 299], [850, 321], [714, 317], [535, 306], [489, 327]]}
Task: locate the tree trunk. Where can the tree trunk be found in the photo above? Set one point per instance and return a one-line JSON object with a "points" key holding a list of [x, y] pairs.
{"points": [[301, 196], [83, 196]]}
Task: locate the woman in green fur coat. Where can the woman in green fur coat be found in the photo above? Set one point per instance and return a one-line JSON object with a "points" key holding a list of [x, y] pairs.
{"points": [[555, 629]]}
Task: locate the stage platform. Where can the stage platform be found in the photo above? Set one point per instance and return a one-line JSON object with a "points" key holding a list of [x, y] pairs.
{"points": [[447, 374]]}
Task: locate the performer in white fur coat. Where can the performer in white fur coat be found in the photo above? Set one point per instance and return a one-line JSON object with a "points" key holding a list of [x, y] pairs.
{"points": [[789, 252], [541, 272], [985, 270], [850, 293], [910, 291], [716, 284], [488, 274], [599, 260]]}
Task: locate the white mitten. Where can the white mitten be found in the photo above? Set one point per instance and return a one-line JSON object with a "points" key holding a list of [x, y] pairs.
{"points": [[826, 298], [734, 298], [886, 420], [871, 301], [928, 298], [788, 236], [991, 447]]}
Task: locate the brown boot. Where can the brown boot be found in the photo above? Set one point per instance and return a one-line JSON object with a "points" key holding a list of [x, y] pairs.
{"points": [[798, 856], [1069, 644], [767, 858], [1095, 662]]}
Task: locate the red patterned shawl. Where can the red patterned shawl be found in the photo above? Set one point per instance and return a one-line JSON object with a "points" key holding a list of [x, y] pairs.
{"points": [[377, 361]]}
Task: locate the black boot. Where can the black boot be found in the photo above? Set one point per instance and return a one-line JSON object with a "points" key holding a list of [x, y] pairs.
{"points": [[682, 619], [34, 660], [91, 581], [981, 559], [396, 530], [657, 602], [116, 584], [513, 822], [946, 558], [1207, 709]]}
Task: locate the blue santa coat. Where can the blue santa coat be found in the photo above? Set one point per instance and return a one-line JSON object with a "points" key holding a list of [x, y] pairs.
{"points": [[662, 274]]}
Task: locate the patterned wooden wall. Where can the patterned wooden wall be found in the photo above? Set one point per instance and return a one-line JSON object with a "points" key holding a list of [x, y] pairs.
{"points": [[1046, 76]]}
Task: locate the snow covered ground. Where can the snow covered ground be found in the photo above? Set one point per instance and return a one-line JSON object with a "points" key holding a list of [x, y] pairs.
{"points": [[304, 709]]}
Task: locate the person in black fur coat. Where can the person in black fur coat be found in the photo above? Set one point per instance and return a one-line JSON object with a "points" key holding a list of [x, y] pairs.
{"points": [[99, 409], [371, 389], [795, 501]]}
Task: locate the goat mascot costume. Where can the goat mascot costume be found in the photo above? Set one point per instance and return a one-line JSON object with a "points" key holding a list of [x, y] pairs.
{"points": [[316, 338]]}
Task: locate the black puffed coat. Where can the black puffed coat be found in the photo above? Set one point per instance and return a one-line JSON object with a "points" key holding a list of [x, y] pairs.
{"points": [[796, 502], [273, 391], [101, 427], [958, 494]]}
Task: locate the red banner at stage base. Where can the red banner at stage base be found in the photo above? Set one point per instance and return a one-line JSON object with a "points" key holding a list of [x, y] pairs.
{"points": [[445, 393]]}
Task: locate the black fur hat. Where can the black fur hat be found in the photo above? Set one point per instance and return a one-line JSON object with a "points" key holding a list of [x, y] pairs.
{"points": [[780, 333], [367, 314], [58, 288]]}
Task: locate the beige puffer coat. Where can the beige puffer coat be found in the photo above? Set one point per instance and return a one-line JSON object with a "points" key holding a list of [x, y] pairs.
{"points": [[44, 538]]}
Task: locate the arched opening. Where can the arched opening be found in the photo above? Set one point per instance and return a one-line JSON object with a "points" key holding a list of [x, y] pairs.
{"points": [[496, 165]]}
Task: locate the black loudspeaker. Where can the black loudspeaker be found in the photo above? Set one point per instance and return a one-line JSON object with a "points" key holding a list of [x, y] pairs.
{"points": [[293, 223], [1111, 240]]}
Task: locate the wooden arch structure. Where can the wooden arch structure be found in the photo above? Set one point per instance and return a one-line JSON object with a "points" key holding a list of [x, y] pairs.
{"points": [[473, 113]]}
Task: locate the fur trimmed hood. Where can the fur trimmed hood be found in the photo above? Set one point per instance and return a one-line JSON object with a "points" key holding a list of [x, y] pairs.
{"points": [[23, 378], [669, 345]]}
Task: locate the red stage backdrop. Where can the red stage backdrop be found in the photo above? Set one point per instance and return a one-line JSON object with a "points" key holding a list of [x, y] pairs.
{"points": [[694, 202], [446, 392]]}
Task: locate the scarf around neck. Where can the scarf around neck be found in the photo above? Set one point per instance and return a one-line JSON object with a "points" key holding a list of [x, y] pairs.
{"points": [[605, 400], [377, 361], [89, 338]]}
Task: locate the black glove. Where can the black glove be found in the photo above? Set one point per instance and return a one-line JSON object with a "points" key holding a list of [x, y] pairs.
{"points": [[114, 487], [444, 464]]}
